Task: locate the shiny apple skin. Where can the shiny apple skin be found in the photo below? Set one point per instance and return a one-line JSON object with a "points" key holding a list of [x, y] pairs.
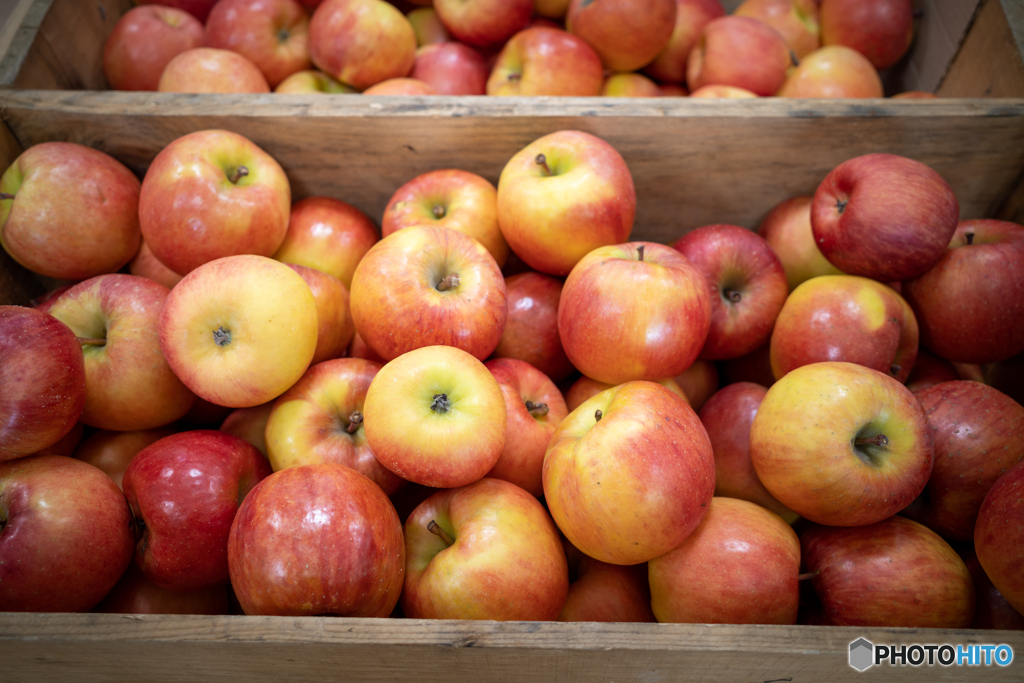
{"points": [[970, 304], [309, 423], [845, 318], [991, 611], [144, 264], [111, 452], [484, 23], [531, 328], [211, 70], [143, 41], [660, 306], [584, 388], [787, 230], [451, 69], [727, 417], [604, 592], [42, 381], [506, 563], [250, 424], [741, 52], [400, 274], [335, 328], [739, 566], [691, 17], [349, 561], [631, 486], [254, 29], [833, 71], [895, 573], [736, 261], [795, 20], [930, 370], [541, 61], [999, 535], [698, 382], [881, 30], [66, 537], [802, 444], [133, 594], [626, 34], [184, 491]]}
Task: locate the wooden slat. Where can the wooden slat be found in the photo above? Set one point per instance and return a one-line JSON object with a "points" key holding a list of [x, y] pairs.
{"points": [[17, 285], [989, 63]]}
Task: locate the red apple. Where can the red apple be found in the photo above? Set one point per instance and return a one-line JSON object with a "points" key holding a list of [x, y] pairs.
{"points": [[427, 26], [691, 17], [787, 230], [143, 41], [722, 92], [134, 594], [698, 382], [741, 52], [795, 20], [335, 327], [998, 535], [629, 85], [144, 264], [1007, 376], [992, 611], [755, 367], [205, 414], [272, 34], [200, 9], [672, 90], [111, 452], [531, 328], [915, 95], [584, 388], [68, 443], [211, 70], [546, 61], [401, 86], [250, 424], [359, 349], [833, 71], [451, 69], [484, 22], [881, 30], [930, 370], [604, 592], [312, 82], [626, 34]]}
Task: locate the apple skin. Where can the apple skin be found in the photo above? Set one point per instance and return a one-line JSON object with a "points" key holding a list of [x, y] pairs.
{"points": [[309, 423], [329, 235], [200, 9], [795, 20], [250, 424], [221, 323], [787, 230], [272, 34], [727, 417], [672, 90], [143, 41], [436, 416], [802, 444], [741, 52], [350, 563], [449, 198], [845, 318], [739, 566], [483, 23], [645, 470], [402, 273], [626, 34], [652, 294], [884, 216], [134, 594], [722, 92], [400, 86], [755, 367], [629, 85], [991, 611], [970, 304], [691, 17], [698, 382], [360, 349], [184, 491], [111, 452], [67, 444], [542, 61], [335, 328], [584, 388], [506, 562], [747, 285], [531, 328], [451, 69], [1007, 376], [604, 592], [930, 370], [915, 95], [361, 42], [192, 213], [211, 70], [881, 30], [427, 26], [144, 264], [894, 573], [205, 414], [42, 381], [833, 71], [74, 212], [66, 536], [522, 458], [312, 82], [999, 535]]}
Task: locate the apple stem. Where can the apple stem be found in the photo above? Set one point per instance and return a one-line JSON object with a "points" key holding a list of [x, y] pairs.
{"points": [[354, 420], [969, 236], [880, 440], [239, 173], [793, 58], [732, 295], [598, 415], [438, 211], [894, 370], [514, 77], [282, 35], [640, 252], [448, 283], [4, 195], [440, 403], [435, 528], [221, 337], [542, 161], [92, 341], [537, 409], [841, 205], [808, 575]]}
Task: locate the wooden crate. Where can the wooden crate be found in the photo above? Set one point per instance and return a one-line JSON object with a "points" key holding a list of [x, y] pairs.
{"points": [[694, 163]]}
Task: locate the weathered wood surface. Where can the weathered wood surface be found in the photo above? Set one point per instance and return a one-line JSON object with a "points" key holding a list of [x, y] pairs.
{"points": [[988, 63]]}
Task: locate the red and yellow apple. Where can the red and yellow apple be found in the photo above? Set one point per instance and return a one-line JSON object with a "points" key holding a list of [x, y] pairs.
{"points": [[143, 41]]}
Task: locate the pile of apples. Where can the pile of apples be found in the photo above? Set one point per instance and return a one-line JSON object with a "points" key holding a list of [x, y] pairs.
{"points": [[392, 434], [619, 48]]}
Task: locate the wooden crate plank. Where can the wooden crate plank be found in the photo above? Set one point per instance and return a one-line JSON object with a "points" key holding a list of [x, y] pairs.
{"points": [[77, 30], [989, 63], [17, 285]]}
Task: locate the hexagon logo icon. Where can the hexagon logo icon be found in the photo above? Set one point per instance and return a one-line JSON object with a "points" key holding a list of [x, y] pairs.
{"points": [[862, 654]]}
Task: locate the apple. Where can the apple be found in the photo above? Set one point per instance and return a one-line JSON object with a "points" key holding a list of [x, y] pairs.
{"points": [[841, 444], [638, 310], [184, 491], [223, 322], [67, 444], [321, 419], [65, 535], [672, 90], [409, 498], [884, 216], [584, 388], [436, 416], [144, 264], [722, 92], [335, 327], [211, 70], [546, 220], [1007, 376], [111, 452], [144, 39], [845, 318], [755, 367], [541, 61], [128, 383], [629, 85], [439, 287], [484, 22], [639, 457], [833, 71], [894, 573], [359, 349], [795, 20], [483, 551], [698, 382], [970, 304], [401, 86], [741, 565], [727, 417], [531, 328], [68, 211], [992, 611], [42, 381], [427, 26], [915, 95], [361, 42], [328, 235], [272, 34], [881, 30], [312, 82], [998, 535], [449, 198], [205, 414], [691, 17], [211, 194], [451, 69], [787, 230], [250, 424], [604, 592], [200, 9], [930, 370], [741, 52], [134, 594], [747, 285], [626, 34]]}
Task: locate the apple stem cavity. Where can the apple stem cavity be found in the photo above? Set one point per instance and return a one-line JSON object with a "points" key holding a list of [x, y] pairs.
{"points": [[92, 341], [537, 409], [793, 58], [239, 173], [841, 205], [354, 420], [732, 295], [440, 403], [880, 440], [808, 575], [542, 161], [598, 415], [435, 528], [221, 337], [449, 282], [5, 195], [968, 235], [640, 252], [894, 370], [282, 35], [438, 212]]}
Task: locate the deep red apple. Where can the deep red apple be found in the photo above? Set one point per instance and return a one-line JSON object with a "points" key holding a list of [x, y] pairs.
{"points": [[881, 30], [531, 328], [999, 535], [991, 611], [134, 594], [930, 370], [451, 68], [604, 592], [200, 9]]}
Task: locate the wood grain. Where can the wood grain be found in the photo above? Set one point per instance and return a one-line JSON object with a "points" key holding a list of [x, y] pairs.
{"points": [[17, 285], [988, 63]]}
